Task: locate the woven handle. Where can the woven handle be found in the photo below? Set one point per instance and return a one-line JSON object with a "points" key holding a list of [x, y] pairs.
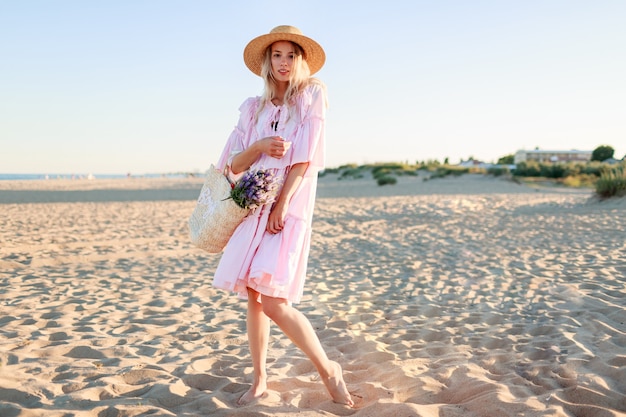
{"points": [[226, 173]]}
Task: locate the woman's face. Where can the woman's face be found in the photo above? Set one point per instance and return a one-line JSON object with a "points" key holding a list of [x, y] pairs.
{"points": [[283, 54]]}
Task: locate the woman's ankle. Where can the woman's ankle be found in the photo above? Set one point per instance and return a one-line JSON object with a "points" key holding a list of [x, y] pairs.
{"points": [[259, 379]]}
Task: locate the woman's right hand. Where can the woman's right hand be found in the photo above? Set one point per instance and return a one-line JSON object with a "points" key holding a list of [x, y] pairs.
{"points": [[274, 146]]}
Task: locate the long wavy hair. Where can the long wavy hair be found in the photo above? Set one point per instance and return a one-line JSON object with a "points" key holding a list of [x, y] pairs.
{"points": [[299, 79]]}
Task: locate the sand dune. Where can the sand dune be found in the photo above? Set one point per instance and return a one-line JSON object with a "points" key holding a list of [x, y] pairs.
{"points": [[465, 296]]}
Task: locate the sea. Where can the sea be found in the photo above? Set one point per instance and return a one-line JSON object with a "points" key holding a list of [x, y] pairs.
{"points": [[5, 177]]}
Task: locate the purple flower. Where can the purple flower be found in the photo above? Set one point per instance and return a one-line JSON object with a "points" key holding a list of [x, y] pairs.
{"points": [[255, 188]]}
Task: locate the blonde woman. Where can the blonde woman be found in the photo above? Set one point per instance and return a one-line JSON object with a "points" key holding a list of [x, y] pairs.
{"points": [[265, 261]]}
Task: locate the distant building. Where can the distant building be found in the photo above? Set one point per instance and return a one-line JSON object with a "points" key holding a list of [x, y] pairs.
{"points": [[473, 163], [540, 155]]}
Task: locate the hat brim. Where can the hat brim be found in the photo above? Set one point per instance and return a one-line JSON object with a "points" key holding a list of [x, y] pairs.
{"points": [[253, 54]]}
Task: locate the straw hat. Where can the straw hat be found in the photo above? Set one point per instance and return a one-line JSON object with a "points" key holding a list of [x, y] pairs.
{"points": [[253, 54]]}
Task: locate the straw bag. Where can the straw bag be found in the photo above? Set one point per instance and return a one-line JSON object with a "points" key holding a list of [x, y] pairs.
{"points": [[216, 216]]}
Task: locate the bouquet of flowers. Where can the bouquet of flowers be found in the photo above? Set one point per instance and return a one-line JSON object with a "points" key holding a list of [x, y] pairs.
{"points": [[255, 188]]}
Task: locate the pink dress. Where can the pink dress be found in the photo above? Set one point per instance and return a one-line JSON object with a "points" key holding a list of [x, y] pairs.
{"points": [[275, 265]]}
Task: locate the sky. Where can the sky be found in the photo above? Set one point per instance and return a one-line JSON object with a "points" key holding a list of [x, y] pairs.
{"points": [[154, 86]]}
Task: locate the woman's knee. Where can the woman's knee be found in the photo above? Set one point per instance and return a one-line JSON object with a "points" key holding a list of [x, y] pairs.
{"points": [[273, 307]]}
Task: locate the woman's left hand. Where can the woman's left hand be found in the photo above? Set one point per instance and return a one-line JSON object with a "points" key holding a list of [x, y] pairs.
{"points": [[276, 220]]}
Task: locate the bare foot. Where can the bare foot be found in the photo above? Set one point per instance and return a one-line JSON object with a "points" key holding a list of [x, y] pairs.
{"points": [[336, 385], [256, 391]]}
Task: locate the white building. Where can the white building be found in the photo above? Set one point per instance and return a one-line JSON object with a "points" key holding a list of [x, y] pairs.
{"points": [[540, 155]]}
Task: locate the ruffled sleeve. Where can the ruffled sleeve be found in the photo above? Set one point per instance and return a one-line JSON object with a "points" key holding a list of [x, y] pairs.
{"points": [[309, 144], [241, 133]]}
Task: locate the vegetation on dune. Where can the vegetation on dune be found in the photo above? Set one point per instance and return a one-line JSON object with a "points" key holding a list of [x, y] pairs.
{"points": [[612, 182], [387, 173], [608, 179], [498, 171], [454, 170], [558, 170]]}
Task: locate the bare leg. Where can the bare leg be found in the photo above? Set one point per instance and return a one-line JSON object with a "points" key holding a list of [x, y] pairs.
{"points": [[298, 328], [258, 326]]}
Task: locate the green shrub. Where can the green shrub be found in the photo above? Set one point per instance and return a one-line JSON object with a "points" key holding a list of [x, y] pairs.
{"points": [[559, 171], [602, 152], [353, 173], [497, 171], [435, 175], [507, 160], [328, 171], [595, 168], [458, 172], [387, 180], [572, 169], [380, 172], [455, 170], [612, 183], [386, 167], [394, 168], [527, 169]]}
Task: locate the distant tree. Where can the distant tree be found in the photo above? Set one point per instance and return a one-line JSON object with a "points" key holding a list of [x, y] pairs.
{"points": [[506, 160], [602, 153], [446, 161]]}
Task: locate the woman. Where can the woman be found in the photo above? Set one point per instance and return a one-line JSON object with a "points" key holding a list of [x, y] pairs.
{"points": [[265, 260]]}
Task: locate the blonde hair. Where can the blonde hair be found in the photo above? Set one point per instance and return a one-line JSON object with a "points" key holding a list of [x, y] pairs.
{"points": [[299, 79]]}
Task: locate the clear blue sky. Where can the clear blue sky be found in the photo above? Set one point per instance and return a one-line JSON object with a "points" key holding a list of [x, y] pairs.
{"points": [[154, 86]]}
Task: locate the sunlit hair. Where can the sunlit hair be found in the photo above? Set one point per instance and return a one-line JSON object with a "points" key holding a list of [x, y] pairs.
{"points": [[299, 79]]}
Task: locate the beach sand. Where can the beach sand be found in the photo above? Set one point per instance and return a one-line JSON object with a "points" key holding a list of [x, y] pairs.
{"points": [[468, 296]]}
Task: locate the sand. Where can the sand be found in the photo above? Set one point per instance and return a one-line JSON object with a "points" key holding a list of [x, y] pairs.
{"points": [[468, 296]]}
